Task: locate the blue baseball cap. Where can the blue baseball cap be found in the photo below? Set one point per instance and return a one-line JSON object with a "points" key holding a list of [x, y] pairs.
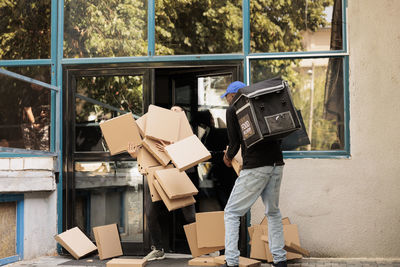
{"points": [[233, 88]]}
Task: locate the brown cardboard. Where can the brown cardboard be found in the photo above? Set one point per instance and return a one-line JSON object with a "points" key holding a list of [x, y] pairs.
{"points": [[120, 131], [210, 229], [291, 237], [145, 160], [251, 231], [173, 204], [203, 261], [285, 221], [191, 236], [126, 263], [150, 180], [107, 240], [243, 262], [185, 130], [75, 242], [151, 146], [162, 124], [175, 184], [187, 152], [141, 123], [259, 249], [237, 162], [291, 247]]}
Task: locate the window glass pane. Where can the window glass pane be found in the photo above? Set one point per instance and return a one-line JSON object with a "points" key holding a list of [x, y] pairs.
{"points": [[198, 27], [289, 26], [110, 192], [105, 28], [25, 29], [121, 93], [317, 91], [24, 114], [210, 89], [40, 73]]}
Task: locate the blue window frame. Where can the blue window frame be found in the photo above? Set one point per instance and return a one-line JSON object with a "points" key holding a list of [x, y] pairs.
{"points": [[19, 229]]}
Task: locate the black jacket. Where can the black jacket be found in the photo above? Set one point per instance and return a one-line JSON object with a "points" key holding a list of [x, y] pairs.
{"points": [[264, 153]]}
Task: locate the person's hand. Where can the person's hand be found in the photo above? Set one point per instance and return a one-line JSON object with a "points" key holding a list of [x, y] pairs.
{"points": [[132, 149], [36, 126], [161, 145], [227, 161]]}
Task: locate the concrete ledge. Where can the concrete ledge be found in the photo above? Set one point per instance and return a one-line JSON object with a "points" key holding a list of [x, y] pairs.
{"points": [[11, 185]]}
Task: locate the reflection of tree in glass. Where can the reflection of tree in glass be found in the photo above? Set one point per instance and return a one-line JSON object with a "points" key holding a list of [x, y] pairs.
{"points": [[25, 29], [105, 28], [122, 92]]}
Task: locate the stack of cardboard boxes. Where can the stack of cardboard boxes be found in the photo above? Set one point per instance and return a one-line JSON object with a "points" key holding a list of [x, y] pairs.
{"points": [[165, 146]]}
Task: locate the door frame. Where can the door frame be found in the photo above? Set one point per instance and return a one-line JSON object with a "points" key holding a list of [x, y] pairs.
{"points": [[70, 75]]}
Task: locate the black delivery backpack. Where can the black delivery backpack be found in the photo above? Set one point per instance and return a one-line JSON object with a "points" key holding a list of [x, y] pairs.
{"points": [[265, 111]]}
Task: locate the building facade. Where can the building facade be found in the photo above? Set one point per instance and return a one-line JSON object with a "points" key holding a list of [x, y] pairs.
{"points": [[95, 62]]}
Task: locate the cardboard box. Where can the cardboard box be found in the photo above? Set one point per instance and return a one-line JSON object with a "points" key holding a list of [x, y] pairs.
{"points": [[210, 229], [259, 248], [145, 160], [150, 181], [75, 242], [173, 204], [126, 263], [120, 131], [161, 156], [162, 124], [187, 152], [237, 162], [243, 262], [107, 240], [141, 123], [185, 130], [175, 184], [191, 236], [203, 261]]}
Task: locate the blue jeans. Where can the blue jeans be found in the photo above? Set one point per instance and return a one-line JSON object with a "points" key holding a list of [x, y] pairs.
{"points": [[264, 181]]}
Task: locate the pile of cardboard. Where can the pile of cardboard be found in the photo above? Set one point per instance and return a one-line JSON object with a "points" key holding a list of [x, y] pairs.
{"points": [[166, 148], [207, 235], [259, 241], [107, 241]]}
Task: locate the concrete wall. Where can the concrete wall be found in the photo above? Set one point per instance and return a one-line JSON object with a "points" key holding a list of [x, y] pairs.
{"points": [[33, 177], [351, 207]]}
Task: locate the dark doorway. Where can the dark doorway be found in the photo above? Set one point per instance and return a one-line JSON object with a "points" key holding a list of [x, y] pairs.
{"points": [[101, 189]]}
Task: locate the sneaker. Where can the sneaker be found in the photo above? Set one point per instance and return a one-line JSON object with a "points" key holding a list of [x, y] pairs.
{"points": [[155, 254], [280, 264], [226, 265]]}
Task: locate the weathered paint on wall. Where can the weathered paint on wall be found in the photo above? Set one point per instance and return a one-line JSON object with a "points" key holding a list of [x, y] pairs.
{"points": [[8, 224], [351, 207]]}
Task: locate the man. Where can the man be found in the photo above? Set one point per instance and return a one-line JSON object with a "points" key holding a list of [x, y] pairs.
{"points": [[156, 213], [261, 175]]}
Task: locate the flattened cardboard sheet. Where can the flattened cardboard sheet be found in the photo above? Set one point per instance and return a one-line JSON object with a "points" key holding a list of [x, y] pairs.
{"points": [[259, 248], [176, 184], [107, 240], [243, 262], [75, 242], [185, 130], [162, 124], [120, 131], [150, 181], [161, 156], [141, 123], [187, 152], [145, 160], [191, 236], [210, 229], [203, 261], [285, 221], [126, 263], [173, 204]]}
